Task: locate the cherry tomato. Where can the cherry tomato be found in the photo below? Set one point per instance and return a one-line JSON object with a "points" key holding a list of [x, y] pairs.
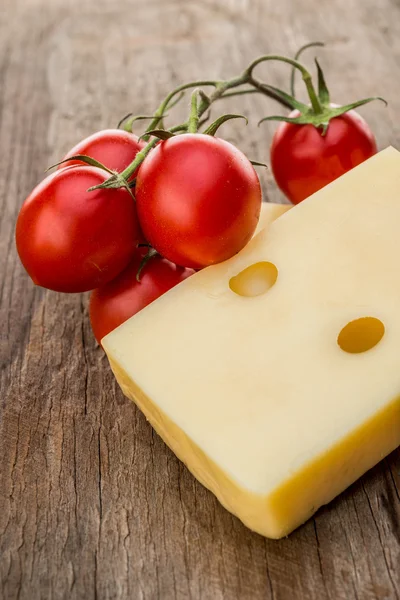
{"points": [[72, 240], [198, 199], [303, 160], [123, 297], [114, 148]]}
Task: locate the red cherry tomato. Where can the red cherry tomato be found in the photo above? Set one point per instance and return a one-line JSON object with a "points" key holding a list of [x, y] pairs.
{"points": [[123, 297], [198, 199], [72, 240], [303, 160], [114, 148]]}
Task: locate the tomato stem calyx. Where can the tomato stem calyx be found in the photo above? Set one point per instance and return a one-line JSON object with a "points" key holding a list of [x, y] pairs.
{"points": [[256, 163], [212, 129], [161, 134], [321, 120], [117, 180], [92, 162], [321, 110], [151, 253]]}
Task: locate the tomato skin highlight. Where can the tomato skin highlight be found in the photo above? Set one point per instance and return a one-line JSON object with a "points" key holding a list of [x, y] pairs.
{"points": [[198, 199], [303, 160], [114, 148], [72, 240], [120, 299]]}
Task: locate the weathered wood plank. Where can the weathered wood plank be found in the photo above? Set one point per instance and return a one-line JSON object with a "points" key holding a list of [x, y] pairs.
{"points": [[92, 503]]}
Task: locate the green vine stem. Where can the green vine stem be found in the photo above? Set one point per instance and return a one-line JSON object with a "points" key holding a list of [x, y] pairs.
{"points": [[167, 102], [220, 88], [201, 106], [296, 57], [306, 75], [193, 124]]}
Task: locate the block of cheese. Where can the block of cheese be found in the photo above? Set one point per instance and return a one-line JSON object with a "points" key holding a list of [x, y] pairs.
{"points": [[275, 376]]}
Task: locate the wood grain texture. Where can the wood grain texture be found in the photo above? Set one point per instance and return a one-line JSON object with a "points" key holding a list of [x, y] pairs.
{"points": [[92, 503]]}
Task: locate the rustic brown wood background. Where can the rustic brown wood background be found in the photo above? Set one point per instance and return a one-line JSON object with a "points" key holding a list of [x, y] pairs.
{"points": [[92, 503]]}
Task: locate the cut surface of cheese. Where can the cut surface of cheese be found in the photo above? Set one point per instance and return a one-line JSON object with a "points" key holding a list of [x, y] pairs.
{"points": [[275, 376]]}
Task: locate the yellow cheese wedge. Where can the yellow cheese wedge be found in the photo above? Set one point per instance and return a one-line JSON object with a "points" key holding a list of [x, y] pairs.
{"points": [[275, 376]]}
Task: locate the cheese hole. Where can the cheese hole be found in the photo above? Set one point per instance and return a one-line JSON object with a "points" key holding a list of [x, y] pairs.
{"points": [[361, 335], [254, 280]]}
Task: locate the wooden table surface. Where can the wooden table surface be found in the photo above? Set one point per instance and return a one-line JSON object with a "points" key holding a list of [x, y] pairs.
{"points": [[92, 503]]}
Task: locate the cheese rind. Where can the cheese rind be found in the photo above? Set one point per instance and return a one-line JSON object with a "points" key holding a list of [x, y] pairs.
{"points": [[254, 394]]}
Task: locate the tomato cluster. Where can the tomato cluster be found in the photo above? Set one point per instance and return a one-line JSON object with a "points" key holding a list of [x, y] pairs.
{"points": [[198, 200], [129, 219]]}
